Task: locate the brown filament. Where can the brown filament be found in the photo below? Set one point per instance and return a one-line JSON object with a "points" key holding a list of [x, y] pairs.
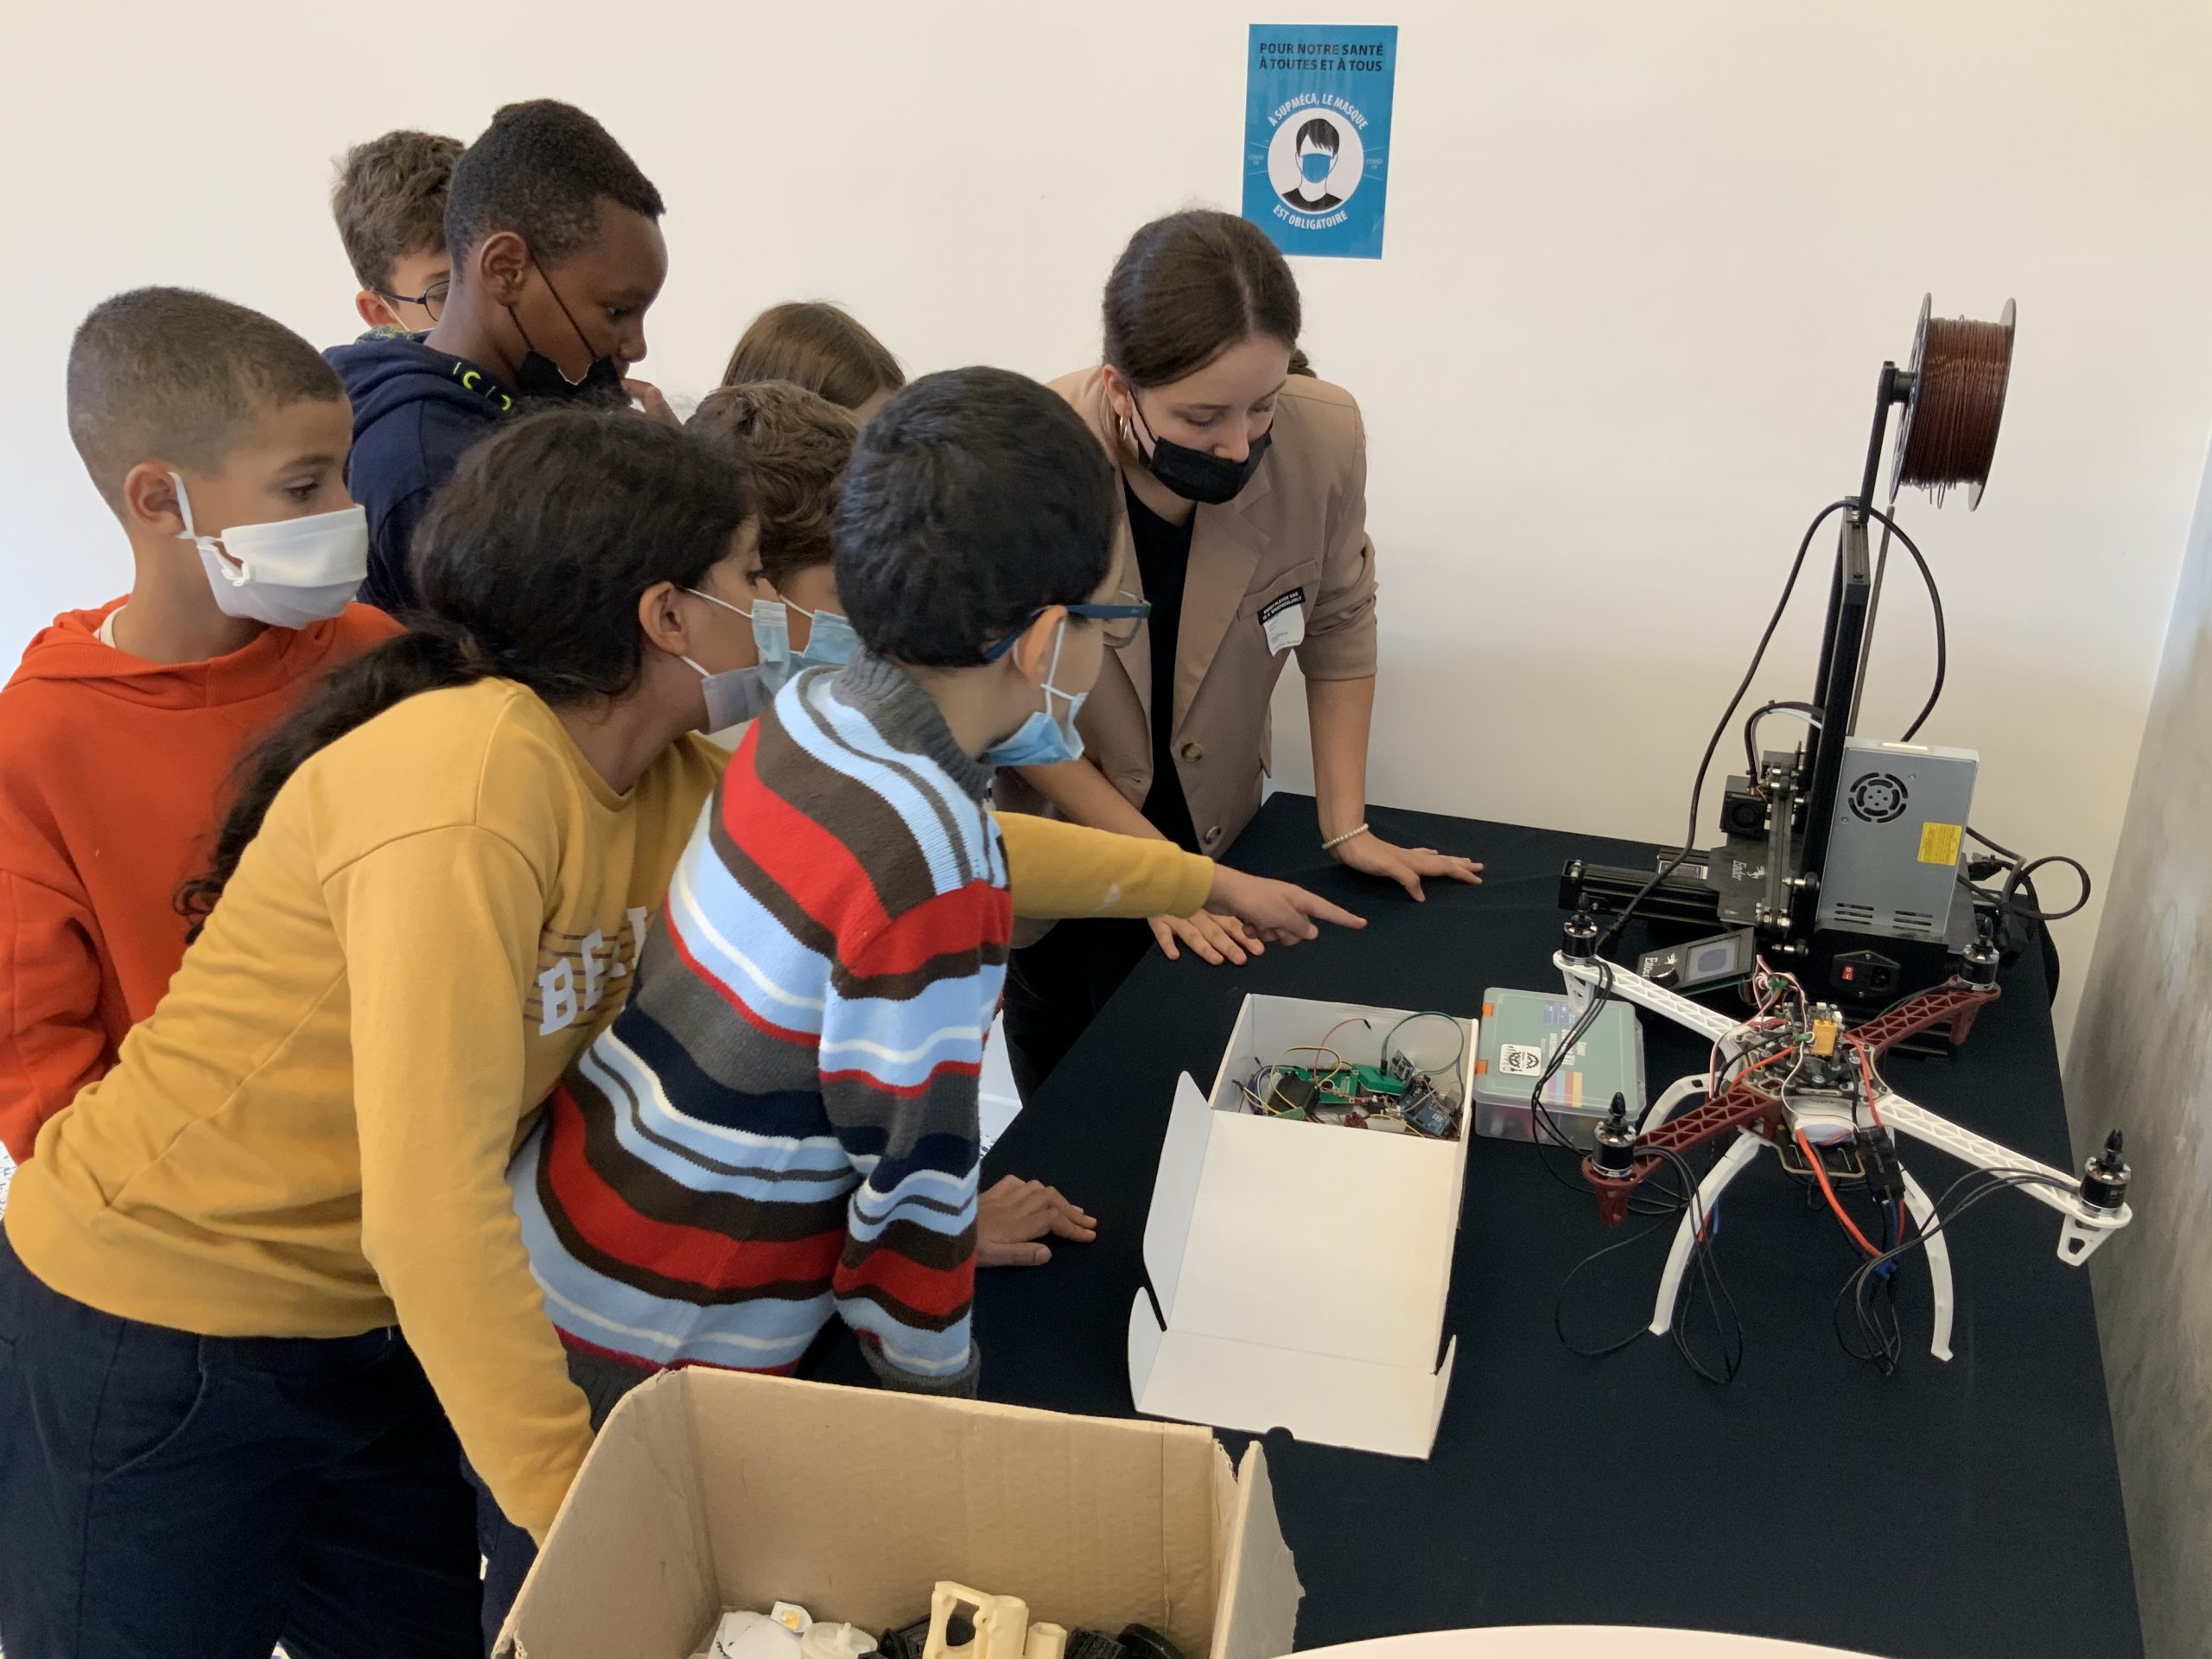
{"points": [[1958, 403]]}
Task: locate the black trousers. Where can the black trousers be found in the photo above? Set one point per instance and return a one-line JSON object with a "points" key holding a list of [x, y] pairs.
{"points": [[166, 1493], [509, 1552], [1055, 987]]}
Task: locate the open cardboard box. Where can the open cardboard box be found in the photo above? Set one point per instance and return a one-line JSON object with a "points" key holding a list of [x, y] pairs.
{"points": [[712, 1489], [1300, 1269]]}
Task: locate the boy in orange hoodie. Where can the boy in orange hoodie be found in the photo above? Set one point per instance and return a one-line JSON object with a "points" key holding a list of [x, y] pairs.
{"points": [[219, 439]]}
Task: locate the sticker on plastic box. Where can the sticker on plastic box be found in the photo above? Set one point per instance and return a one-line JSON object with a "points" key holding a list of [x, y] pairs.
{"points": [[1518, 1060]]}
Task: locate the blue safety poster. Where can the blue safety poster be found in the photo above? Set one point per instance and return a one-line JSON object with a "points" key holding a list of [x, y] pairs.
{"points": [[1316, 136]]}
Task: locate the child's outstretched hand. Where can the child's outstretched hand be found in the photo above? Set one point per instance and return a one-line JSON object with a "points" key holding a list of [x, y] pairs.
{"points": [[1276, 911], [1015, 1216], [649, 401]]}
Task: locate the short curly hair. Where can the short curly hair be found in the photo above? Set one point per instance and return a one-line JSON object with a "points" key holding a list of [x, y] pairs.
{"points": [[540, 171], [796, 445], [175, 375], [976, 499], [390, 201]]}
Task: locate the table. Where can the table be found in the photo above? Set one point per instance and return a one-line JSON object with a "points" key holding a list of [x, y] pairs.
{"points": [[1576, 1642], [1947, 1512]]}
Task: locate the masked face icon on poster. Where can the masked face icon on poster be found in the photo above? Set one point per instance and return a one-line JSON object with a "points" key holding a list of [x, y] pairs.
{"points": [[1318, 146]]}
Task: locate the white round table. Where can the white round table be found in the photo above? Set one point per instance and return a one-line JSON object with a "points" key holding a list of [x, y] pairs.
{"points": [[1576, 1642]]}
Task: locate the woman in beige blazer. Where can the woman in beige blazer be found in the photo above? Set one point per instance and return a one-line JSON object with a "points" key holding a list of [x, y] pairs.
{"points": [[1244, 487]]}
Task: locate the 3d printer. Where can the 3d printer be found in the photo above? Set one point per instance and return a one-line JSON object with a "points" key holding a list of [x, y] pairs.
{"points": [[1846, 860]]}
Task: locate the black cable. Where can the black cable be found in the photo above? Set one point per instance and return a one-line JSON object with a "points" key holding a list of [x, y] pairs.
{"points": [[1811, 710], [2020, 872], [1541, 1121], [1721, 728], [2023, 875], [1942, 1214], [1559, 1303], [2004, 853], [1935, 605], [1703, 1266]]}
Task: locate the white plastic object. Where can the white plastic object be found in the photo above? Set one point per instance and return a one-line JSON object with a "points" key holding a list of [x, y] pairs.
{"points": [[827, 1640], [1582, 978], [1825, 1124], [1937, 1248], [792, 1617], [1002, 1624], [1739, 1157], [743, 1635], [2083, 1229]]}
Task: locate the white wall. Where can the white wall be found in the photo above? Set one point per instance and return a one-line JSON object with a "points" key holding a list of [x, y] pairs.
{"points": [[2143, 1063], [1642, 264]]}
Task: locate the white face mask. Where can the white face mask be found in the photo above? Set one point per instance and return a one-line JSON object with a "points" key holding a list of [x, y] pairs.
{"points": [[287, 574]]}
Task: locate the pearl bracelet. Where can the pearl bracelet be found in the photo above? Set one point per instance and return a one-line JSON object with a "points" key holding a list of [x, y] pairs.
{"points": [[1335, 841]]}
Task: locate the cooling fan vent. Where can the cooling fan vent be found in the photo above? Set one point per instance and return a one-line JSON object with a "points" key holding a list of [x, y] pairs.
{"points": [[1879, 797]]}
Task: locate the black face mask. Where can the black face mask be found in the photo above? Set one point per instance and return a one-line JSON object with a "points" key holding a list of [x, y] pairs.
{"points": [[540, 377], [1194, 474]]}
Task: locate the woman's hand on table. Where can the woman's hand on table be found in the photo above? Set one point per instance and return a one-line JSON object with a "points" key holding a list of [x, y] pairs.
{"points": [[1406, 865], [1013, 1218]]}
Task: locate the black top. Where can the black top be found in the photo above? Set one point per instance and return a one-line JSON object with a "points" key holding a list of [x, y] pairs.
{"points": [[1164, 562], [417, 410]]}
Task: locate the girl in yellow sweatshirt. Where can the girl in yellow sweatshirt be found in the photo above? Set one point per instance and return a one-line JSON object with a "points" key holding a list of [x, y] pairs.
{"points": [[254, 1270]]}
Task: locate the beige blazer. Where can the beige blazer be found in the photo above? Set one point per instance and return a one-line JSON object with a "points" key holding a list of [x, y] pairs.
{"points": [[1298, 527]]}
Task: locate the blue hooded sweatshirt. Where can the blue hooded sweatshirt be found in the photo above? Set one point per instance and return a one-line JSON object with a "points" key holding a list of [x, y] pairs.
{"points": [[415, 412]]}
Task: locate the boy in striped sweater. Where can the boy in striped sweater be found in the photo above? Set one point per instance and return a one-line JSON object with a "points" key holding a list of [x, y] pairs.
{"points": [[781, 1126]]}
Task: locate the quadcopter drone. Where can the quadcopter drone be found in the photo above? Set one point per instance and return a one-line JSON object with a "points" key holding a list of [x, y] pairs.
{"points": [[1796, 1080]]}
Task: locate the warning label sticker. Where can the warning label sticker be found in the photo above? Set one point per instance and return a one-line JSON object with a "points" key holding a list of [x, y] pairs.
{"points": [[1939, 843]]}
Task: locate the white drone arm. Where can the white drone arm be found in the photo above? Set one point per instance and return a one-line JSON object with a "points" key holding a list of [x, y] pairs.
{"points": [[2085, 1225], [1582, 978]]}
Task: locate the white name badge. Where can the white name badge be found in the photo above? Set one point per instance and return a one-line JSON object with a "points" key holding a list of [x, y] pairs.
{"points": [[1284, 619]]}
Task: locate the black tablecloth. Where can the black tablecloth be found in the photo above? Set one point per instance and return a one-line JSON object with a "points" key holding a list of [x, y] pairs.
{"points": [[1950, 1511]]}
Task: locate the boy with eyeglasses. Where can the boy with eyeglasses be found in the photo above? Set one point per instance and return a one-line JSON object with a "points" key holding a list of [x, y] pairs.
{"points": [[781, 1128], [389, 203]]}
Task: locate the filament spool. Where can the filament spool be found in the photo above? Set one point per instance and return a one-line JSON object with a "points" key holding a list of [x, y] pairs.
{"points": [[1949, 436]]}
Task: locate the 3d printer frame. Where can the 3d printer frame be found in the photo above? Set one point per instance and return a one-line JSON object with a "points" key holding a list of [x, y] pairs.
{"points": [[1767, 873]]}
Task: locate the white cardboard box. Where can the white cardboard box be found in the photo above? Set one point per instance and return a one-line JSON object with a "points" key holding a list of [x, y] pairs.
{"points": [[1300, 1269], [712, 1489]]}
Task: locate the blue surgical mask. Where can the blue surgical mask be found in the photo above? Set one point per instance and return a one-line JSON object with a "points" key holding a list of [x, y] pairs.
{"points": [[831, 641], [772, 639], [736, 694], [1043, 740], [1315, 166]]}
